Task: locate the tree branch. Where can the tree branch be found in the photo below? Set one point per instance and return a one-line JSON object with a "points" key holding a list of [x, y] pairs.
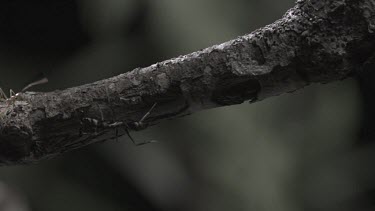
{"points": [[317, 41]]}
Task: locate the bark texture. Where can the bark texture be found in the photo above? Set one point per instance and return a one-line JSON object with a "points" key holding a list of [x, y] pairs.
{"points": [[317, 41]]}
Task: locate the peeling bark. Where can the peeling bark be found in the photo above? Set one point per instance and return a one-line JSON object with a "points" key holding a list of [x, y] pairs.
{"points": [[317, 41]]}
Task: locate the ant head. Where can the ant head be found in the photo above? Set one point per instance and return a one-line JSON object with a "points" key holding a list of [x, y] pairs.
{"points": [[138, 125]]}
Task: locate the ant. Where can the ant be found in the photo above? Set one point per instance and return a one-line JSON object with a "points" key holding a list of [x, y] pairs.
{"points": [[14, 96], [137, 126]]}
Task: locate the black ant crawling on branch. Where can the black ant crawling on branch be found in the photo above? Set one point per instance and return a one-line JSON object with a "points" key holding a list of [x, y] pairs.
{"points": [[137, 126], [14, 96]]}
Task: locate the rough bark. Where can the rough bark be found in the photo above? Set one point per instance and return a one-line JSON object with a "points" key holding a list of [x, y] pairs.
{"points": [[317, 41]]}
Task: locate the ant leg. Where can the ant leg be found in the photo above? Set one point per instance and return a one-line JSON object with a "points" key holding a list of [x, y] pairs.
{"points": [[11, 93], [107, 93], [3, 96], [128, 133], [116, 133], [101, 112]]}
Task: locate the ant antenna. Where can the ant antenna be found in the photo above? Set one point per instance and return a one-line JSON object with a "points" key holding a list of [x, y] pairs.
{"points": [[148, 113], [40, 81]]}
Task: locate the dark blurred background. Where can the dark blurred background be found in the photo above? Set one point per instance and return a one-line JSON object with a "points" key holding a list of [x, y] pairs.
{"points": [[300, 151]]}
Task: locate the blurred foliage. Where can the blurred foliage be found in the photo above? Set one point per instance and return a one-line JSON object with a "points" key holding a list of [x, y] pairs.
{"points": [[285, 153]]}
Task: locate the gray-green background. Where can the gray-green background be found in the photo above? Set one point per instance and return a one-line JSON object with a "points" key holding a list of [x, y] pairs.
{"points": [[288, 153]]}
